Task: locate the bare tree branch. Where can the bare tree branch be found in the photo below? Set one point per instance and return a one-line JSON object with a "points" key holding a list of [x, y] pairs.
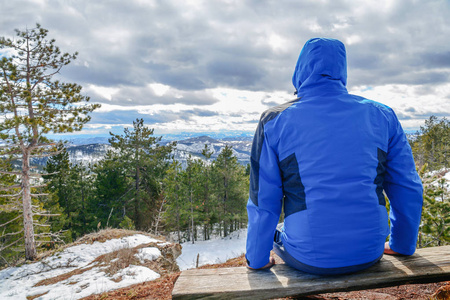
{"points": [[38, 195], [35, 175], [10, 221], [10, 173], [39, 186], [6, 261], [12, 206], [13, 243], [46, 215], [55, 234], [12, 196], [43, 146], [8, 146], [41, 225], [15, 153], [12, 233], [8, 188]]}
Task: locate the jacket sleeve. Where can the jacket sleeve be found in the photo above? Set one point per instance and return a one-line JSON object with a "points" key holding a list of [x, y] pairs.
{"points": [[404, 190], [264, 203]]}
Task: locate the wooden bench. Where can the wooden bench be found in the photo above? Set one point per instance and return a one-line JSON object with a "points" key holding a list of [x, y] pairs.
{"points": [[425, 266]]}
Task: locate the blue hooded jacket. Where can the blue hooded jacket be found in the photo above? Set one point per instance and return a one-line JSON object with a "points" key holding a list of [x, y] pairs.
{"points": [[325, 159]]}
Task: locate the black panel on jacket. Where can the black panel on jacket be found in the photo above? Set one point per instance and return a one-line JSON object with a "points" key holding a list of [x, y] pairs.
{"points": [[258, 140], [293, 188], [379, 180]]}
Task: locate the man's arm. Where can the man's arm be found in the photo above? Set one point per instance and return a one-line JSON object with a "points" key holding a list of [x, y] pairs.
{"points": [[264, 204], [404, 190]]}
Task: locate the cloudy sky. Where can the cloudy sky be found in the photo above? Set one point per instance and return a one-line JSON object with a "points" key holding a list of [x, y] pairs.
{"points": [[216, 65]]}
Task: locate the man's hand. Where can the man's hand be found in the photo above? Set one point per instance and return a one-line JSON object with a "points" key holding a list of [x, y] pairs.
{"points": [[271, 263], [388, 250]]}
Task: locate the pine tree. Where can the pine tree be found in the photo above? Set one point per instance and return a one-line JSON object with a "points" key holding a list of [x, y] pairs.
{"points": [[176, 214], [431, 145], [57, 187], [33, 104], [10, 217], [206, 194], [71, 187], [435, 224], [82, 180], [144, 161], [112, 190], [231, 190]]}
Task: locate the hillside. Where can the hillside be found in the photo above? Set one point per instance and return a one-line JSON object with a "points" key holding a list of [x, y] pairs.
{"points": [[109, 260], [96, 263]]}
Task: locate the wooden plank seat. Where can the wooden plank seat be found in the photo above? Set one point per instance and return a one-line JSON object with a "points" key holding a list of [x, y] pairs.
{"points": [[425, 266]]}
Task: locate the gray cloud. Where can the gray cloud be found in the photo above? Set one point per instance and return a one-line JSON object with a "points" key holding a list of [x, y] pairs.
{"points": [[437, 60], [163, 116], [144, 95]]}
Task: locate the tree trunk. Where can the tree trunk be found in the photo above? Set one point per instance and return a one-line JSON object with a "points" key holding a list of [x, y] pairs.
{"points": [[30, 247], [82, 206], [178, 213], [206, 205], [192, 218], [136, 201], [159, 215], [178, 227]]}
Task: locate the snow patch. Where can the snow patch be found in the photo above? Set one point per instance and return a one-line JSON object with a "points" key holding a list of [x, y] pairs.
{"points": [[212, 251], [135, 274], [151, 253]]}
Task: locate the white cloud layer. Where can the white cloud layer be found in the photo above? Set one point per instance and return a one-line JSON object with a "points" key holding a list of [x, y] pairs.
{"points": [[217, 65]]}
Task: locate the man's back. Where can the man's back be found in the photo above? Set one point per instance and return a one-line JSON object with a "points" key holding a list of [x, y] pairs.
{"points": [[327, 154]]}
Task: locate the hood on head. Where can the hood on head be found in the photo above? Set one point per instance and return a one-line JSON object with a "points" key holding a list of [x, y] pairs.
{"points": [[320, 58]]}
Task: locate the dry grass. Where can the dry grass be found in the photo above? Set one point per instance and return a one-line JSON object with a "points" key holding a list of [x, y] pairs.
{"points": [[62, 277], [109, 234], [100, 236], [36, 296], [234, 262], [117, 260], [160, 289]]}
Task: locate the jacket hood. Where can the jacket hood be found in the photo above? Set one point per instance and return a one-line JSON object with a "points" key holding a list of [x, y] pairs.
{"points": [[320, 60]]}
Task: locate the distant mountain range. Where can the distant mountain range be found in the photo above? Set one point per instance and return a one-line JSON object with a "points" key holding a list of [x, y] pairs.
{"points": [[92, 150], [241, 147], [225, 135]]}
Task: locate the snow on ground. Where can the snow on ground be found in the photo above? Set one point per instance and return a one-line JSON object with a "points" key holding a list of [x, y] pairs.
{"points": [[212, 251], [18, 282]]}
